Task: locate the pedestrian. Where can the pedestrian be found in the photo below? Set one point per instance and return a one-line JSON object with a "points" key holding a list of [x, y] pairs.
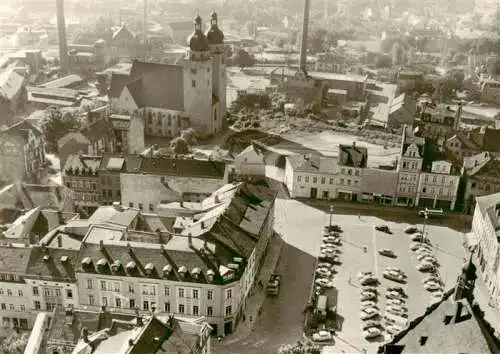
{"points": [[359, 216]]}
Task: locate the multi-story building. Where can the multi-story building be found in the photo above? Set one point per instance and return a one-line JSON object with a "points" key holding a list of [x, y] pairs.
{"points": [[332, 62], [22, 153], [15, 304], [311, 176], [352, 160], [490, 91], [93, 139], [439, 122], [206, 267], [402, 111], [480, 177], [438, 185], [81, 176], [485, 225], [109, 173], [461, 145], [409, 80], [379, 186], [151, 181], [171, 98], [409, 167]]}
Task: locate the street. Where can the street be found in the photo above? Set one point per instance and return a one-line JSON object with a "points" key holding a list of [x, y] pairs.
{"points": [[300, 225]]}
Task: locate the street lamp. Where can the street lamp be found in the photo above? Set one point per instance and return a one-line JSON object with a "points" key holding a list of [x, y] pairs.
{"points": [[330, 222], [426, 216]]}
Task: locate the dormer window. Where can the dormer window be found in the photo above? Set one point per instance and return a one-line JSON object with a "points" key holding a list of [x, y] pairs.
{"points": [[182, 271], [149, 268], [131, 266], [86, 262], [195, 273], [210, 276], [167, 270], [116, 266], [102, 265]]}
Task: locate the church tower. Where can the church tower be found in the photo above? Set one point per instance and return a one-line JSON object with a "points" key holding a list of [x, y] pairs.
{"points": [[215, 39], [198, 82]]}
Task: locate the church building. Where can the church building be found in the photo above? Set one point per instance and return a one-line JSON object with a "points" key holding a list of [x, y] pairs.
{"points": [[165, 99]]}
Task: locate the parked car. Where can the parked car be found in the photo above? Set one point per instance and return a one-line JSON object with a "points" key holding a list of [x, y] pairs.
{"points": [[397, 289], [325, 265], [368, 313], [368, 303], [432, 278], [424, 254], [370, 324], [370, 279], [394, 277], [411, 230], [324, 283], [362, 274], [368, 295], [333, 228], [393, 329], [322, 336], [425, 267], [383, 228], [372, 333], [395, 302], [397, 310], [387, 252], [373, 289], [393, 295], [432, 286], [323, 272]]}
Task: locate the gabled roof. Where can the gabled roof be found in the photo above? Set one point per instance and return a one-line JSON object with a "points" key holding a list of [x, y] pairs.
{"points": [[22, 130], [49, 262], [489, 168], [14, 260], [118, 82], [114, 215], [76, 136], [353, 156], [11, 83], [82, 162], [491, 140], [123, 33], [466, 142]]}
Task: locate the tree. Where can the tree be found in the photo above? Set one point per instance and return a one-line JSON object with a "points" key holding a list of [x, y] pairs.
{"points": [[12, 342], [383, 61], [321, 40], [189, 135], [179, 146], [55, 125], [243, 59], [300, 347]]}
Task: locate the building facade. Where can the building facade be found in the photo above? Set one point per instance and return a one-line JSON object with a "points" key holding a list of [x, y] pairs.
{"points": [[352, 161], [438, 187]]}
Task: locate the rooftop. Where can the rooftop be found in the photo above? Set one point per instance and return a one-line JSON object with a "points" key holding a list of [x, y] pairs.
{"points": [[64, 82], [353, 156], [11, 83], [117, 215], [52, 263], [14, 260], [182, 167]]}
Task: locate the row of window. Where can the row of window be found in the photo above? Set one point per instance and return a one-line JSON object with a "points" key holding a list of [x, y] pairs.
{"points": [[349, 182], [9, 292], [412, 165], [12, 307], [86, 185], [86, 197], [315, 179], [169, 118], [50, 292], [141, 206], [9, 277], [349, 171], [108, 193]]}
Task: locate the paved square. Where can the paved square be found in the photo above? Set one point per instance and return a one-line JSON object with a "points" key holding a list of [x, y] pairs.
{"points": [[360, 233]]}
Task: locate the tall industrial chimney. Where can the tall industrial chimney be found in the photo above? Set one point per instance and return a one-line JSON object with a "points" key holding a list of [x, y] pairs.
{"points": [[61, 33], [303, 46], [145, 24]]}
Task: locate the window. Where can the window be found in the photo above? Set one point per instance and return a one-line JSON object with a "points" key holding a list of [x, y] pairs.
{"points": [[167, 291], [131, 205], [210, 311], [315, 179], [22, 307], [35, 291], [89, 283], [11, 307], [349, 172], [323, 180], [307, 179], [118, 302], [424, 190], [229, 310], [299, 178], [37, 305], [181, 308], [193, 83], [58, 292], [426, 178], [405, 164], [181, 292], [104, 301], [341, 181], [140, 206], [343, 171], [103, 285], [131, 288], [195, 294], [69, 293], [131, 303], [4, 307], [91, 299], [145, 305], [9, 292], [167, 307], [349, 182], [356, 172], [20, 293], [151, 207], [116, 286], [229, 293], [196, 310], [153, 306], [331, 180], [210, 294], [1, 291]]}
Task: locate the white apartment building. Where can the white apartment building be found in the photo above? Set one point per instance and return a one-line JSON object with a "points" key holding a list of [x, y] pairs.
{"points": [[409, 167], [352, 161], [485, 226], [311, 176], [438, 188]]}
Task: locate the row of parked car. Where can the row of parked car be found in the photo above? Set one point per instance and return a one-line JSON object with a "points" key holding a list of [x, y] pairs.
{"points": [[369, 312], [328, 257]]}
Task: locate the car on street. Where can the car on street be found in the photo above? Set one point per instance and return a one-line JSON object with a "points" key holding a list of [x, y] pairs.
{"points": [[333, 228], [432, 286], [424, 252], [399, 278], [330, 238], [368, 280], [323, 272], [368, 303], [398, 289], [411, 230], [328, 257], [363, 274], [432, 278], [325, 265], [373, 289], [324, 283], [387, 252], [395, 302], [368, 313], [384, 229], [425, 267], [322, 336], [393, 329], [370, 324], [419, 245], [397, 310], [371, 333], [423, 255], [368, 295], [393, 295], [417, 237]]}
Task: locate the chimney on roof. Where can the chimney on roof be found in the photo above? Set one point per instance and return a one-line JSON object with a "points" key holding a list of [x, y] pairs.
{"points": [[101, 245], [117, 206], [60, 217], [59, 241], [85, 334], [303, 43]]}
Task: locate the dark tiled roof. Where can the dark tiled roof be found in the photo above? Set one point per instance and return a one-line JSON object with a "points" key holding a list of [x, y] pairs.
{"points": [[118, 82], [97, 130], [135, 88], [161, 85], [82, 162], [53, 266], [14, 259], [133, 163], [179, 342], [183, 167], [467, 143], [353, 156], [491, 140], [151, 338]]}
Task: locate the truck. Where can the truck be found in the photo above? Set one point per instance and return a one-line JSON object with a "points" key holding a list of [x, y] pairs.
{"points": [[273, 286]]}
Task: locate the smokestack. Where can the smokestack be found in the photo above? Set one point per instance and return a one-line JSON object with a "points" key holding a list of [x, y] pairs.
{"points": [[61, 33], [145, 24], [303, 44]]}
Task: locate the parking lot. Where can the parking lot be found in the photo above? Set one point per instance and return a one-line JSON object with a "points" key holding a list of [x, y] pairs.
{"points": [[360, 253]]}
